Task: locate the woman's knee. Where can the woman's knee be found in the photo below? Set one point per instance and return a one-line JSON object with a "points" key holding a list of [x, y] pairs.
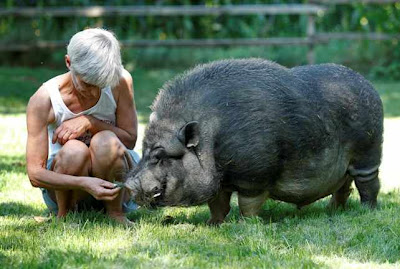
{"points": [[73, 159], [106, 148]]}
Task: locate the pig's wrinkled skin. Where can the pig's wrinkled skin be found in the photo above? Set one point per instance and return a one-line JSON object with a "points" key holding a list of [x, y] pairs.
{"points": [[263, 130]]}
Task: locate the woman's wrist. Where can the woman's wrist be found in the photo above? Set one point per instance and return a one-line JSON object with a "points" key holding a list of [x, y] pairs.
{"points": [[89, 123], [81, 183]]}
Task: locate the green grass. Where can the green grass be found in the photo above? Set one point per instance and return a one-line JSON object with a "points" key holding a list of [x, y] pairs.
{"points": [[18, 85], [390, 95], [282, 236]]}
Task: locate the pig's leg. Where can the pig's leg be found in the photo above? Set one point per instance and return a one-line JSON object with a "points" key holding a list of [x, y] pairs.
{"points": [[251, 206], [219, 207], [367, 183], [339, 198]]}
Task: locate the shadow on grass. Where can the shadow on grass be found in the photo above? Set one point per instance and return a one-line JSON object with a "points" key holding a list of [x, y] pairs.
{"points": [[14, 163], [199, 216], [19, 209], [3, 259], [272, 212]]}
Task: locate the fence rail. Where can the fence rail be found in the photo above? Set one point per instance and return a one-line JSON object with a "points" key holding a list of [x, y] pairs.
{"points": [[171, 43], [324, 37], [346, 2], [228, 42], [99, 11]]}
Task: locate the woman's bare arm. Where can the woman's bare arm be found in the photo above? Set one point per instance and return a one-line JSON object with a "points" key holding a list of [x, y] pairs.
{"points": [[38, 117], [126, 119]]}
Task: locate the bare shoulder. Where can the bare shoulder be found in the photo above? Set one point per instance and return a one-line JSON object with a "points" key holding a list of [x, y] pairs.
{"points": [[39, 106], [126, 77], [125, 87], [40, 98], [126, 81]]}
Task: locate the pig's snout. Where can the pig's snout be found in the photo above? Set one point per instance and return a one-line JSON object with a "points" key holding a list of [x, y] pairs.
{"points": [[152, 192], [145, 192], [133, 186]]}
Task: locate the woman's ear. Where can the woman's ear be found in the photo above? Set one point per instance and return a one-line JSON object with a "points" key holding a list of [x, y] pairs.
{"points": [[68, 61]]}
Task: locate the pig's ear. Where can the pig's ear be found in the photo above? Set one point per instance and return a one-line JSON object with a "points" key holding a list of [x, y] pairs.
{"points": [[189, 134]]}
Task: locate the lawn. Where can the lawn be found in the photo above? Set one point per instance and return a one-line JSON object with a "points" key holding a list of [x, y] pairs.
{"points": [[282, 236]]}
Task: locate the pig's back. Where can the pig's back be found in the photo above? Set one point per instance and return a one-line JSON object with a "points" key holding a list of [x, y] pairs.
{"points": [[266, 119], [346, 97]]}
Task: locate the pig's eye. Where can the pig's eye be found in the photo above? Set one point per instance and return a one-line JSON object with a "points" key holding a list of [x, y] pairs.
{"points": [[157, 155]]}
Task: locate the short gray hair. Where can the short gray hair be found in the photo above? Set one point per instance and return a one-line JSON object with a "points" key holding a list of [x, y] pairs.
{"points": [[95, 56]]}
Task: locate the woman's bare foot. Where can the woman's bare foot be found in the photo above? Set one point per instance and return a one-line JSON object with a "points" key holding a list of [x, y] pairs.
{"points": [[120, 218]]}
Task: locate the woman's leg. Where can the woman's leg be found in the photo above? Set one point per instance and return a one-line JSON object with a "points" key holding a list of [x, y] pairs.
{"points": [[110, 160], [72, 159]]}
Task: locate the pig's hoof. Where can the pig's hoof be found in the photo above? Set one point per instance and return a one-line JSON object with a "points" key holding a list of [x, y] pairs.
{"points": [[214, 222], [334, 205], [371, 204], [168, 220]]}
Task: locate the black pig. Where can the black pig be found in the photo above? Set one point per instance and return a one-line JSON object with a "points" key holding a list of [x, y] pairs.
{"points": [[264, 131]]}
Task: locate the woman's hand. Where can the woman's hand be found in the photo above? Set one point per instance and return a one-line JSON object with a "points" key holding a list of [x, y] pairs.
{"points": [[71, 129], [100, 189]]}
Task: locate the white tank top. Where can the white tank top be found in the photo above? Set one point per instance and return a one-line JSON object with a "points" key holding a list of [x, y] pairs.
{"points": [[103, 110]]}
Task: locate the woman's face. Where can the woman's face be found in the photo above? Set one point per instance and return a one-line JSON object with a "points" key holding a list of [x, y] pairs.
{"points": [[86, 89], [82, 87]]}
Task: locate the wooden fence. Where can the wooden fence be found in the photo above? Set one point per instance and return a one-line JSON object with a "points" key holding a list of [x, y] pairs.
{"points": [[310, 10]]}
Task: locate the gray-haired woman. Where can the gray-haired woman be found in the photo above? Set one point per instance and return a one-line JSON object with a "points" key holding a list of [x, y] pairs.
{"points": [[82, 127]]}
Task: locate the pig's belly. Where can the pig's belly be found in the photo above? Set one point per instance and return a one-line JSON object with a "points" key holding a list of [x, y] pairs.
{"points": [[303, 182]]}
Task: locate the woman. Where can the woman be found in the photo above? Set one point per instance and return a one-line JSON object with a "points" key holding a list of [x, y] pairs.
{"points": [[82, 127]]}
